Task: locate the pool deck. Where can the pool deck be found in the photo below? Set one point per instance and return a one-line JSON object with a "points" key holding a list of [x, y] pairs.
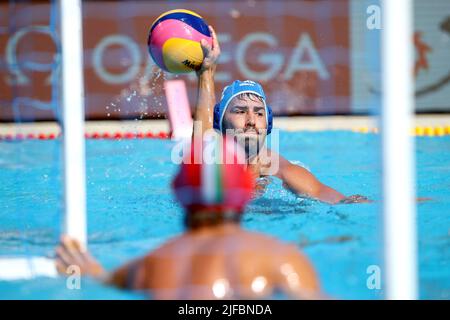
{"points": [[298, 123]]}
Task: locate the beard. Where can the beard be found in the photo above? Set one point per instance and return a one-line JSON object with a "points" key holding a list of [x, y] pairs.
{"points": [[252, 143], [251, 139]]}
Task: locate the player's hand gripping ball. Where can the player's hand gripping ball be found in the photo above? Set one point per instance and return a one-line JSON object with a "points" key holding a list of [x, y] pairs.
{"points": [[174, 41]]}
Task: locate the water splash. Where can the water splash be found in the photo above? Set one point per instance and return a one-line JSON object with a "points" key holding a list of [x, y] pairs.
{"points": [[143, 96]]}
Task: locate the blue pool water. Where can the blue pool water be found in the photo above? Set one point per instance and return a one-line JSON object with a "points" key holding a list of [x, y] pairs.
{"points": [[131, 210]]}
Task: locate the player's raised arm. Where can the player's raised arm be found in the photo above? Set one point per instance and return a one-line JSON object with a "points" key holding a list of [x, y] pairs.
{"points": [[203, 113]]}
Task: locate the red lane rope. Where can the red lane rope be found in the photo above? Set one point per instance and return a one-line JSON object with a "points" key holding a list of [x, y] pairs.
{"points": [[94, 135]]}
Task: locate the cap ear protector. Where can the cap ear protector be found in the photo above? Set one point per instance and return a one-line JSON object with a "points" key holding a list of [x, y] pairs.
{"points": [[269, 119], [217, 124], [216, 118]]}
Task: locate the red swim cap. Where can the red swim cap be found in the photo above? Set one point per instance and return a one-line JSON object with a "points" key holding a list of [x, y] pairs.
{"points": [[213, 176]]}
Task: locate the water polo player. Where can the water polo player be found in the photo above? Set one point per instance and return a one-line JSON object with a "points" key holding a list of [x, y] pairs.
{"points": [[243, 113], [214, 258]]}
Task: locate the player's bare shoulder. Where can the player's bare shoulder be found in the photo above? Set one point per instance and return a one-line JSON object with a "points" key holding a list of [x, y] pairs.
{"points": [[271, 163]]}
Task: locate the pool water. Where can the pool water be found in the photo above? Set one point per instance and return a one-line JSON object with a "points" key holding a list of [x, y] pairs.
{"points": [[131, 210]]}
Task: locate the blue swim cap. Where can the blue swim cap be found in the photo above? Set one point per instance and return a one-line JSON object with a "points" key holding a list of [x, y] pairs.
{"points": [[236, 88]]}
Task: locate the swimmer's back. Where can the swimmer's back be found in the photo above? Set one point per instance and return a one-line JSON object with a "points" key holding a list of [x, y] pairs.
{"points": [[207, 264]]}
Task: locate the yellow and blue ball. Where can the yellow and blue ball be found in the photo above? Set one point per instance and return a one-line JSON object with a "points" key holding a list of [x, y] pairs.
{"points": [[174, 40]]}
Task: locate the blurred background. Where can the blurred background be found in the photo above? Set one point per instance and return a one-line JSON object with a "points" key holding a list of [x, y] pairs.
{"points": [[313, 57]]}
